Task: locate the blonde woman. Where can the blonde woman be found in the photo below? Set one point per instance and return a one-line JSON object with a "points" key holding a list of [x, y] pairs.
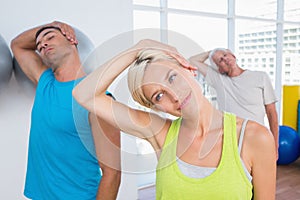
{"points": [[204, 153]]}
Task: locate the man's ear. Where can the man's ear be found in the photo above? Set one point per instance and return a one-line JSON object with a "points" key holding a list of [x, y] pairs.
{"points": [[233, 55]]}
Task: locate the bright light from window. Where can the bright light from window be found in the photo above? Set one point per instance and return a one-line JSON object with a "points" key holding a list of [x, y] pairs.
{"points": [[257, 8], [215, 6], [209, 33]]}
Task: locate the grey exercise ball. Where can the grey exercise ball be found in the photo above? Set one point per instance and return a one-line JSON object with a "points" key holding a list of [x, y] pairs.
{"points": [[6, 66], [85, 47]]}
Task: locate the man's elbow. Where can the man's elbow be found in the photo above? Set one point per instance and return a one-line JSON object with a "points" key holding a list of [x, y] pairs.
{"points": [[117, 176], [112, 175]]}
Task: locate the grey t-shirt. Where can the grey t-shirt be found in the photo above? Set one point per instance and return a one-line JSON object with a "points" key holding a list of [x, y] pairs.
{"points": [[245, 95]]}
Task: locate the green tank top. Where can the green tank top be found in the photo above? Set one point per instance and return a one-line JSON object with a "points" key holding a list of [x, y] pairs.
{"points": [[228, 181]]}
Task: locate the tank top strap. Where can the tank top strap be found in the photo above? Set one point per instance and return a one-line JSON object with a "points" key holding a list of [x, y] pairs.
{"points": [[230, 147], [242, 134], [173, 132], [168, 154], [229, 129]]}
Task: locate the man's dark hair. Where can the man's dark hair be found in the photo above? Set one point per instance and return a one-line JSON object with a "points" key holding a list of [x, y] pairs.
{"points": [[43, 28]]}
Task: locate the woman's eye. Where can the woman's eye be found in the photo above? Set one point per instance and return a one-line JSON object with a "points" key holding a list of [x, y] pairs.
{"points": [[172, 78], [159, 96]]}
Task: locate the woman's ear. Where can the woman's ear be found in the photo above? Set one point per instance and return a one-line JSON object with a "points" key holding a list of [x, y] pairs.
{"points": [[157, 108]]}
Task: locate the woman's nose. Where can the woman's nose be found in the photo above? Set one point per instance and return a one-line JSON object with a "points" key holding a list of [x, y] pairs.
{"points": [[174, 97]]}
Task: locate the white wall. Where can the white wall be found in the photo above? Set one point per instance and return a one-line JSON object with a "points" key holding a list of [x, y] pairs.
{"points": [[99, 20]]}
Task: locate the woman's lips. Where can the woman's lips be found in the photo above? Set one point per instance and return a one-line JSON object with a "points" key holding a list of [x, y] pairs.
{"points": [[185, 101]]}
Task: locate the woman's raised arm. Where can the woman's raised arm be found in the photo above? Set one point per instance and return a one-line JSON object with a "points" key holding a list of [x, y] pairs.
{"points": [[90, 93]]}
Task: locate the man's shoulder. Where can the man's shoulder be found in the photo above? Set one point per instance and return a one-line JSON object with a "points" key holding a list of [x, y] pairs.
{"points": [[46, 77], [256, 72], [45, 74]]}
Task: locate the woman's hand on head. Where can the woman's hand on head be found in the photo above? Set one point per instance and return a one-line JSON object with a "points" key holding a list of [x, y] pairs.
{"points": [[168, 49], [184, 63]]}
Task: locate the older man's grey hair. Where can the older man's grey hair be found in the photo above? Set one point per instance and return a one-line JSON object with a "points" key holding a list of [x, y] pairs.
{"points": [[212, 53]]}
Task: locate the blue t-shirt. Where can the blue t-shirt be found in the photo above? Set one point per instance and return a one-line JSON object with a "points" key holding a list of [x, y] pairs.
{"points": [[61, 158]]}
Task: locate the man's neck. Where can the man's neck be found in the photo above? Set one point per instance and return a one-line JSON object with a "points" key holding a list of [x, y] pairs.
{"points": [[69, 69], [236, 71]]}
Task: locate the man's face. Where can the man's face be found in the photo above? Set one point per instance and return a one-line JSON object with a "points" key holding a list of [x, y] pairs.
{"points": [[224, 60], [52, 45], [45, 38]]}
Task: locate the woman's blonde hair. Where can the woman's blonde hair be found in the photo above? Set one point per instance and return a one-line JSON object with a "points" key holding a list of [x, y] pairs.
{"points": [[136, 73]]}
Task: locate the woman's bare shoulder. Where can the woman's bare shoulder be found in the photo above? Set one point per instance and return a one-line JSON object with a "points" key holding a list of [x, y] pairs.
{"points": [[258, 139]]}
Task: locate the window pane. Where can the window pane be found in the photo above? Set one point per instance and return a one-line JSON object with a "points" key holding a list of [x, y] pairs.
{"points": [[147, 2], [256, 46], [215, 6], [257, 8], [291, 55], [292, 10], [145, 19], [209, 33]]}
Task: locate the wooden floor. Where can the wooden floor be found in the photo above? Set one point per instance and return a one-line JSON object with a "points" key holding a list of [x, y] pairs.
{"points": [[288, 184], [288, 181]]}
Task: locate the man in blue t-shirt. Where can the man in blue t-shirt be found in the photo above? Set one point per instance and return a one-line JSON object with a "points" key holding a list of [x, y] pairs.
{"points": [[66, 144]]}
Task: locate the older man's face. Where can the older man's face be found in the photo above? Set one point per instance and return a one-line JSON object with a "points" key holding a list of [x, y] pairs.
{"points": [[224, 60]]}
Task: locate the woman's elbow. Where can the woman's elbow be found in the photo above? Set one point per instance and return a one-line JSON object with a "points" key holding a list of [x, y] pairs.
{"points": [[75, 94], [78, 96]]}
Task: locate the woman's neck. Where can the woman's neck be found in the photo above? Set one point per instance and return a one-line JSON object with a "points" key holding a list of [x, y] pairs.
{"points": [[198, 136], [207, 119]]}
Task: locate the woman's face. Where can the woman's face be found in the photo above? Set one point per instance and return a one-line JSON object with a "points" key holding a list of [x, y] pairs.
{"points": [[169, 87]]}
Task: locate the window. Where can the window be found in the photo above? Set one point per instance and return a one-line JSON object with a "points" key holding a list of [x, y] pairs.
{"points": [[147, 2], [212, 6], [256, 8], [195, 27], [291, 10], [149, 19]]}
